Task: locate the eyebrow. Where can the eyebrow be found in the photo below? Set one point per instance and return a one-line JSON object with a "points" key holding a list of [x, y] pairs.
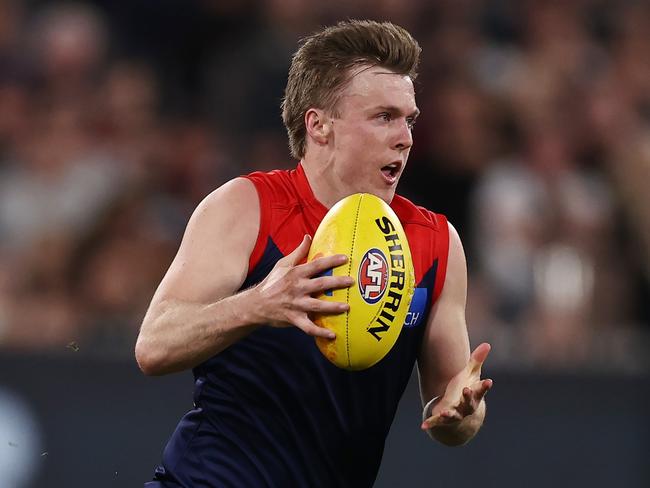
{"points": [[394, 109]]}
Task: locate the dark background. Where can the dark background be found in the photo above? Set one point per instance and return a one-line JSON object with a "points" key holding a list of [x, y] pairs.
{"points": [[103, 424], [118, 117]]}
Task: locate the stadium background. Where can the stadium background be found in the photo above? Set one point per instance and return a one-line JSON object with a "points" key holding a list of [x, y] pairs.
{"points": [[117, 117]]}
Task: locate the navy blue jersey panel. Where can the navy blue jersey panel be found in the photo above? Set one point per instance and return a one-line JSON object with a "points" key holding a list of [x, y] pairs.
{"points": [[271, 410], [271, 256]]}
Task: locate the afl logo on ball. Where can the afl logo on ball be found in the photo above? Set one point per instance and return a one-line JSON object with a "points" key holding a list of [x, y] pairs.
{"points": [[373, 275]]}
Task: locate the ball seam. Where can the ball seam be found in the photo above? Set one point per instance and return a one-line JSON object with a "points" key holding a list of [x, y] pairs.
{"points": [[347, 314]]}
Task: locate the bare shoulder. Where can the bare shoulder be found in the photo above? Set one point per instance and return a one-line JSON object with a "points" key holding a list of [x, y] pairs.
{"points": [[237, 197], [449, 310], [457, 263], [227, 218], [212, 260], [445, 346]]}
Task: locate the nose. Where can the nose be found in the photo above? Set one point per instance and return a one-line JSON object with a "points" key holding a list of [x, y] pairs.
{"points": [[404, 136]]}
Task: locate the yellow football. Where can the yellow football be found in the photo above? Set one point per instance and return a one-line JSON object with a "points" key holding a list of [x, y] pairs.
{"points": [[364, 228]]}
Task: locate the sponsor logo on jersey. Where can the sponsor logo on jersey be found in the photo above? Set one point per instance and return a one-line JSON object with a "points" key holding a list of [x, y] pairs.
{"points": [[416, 312], [373, 276]]}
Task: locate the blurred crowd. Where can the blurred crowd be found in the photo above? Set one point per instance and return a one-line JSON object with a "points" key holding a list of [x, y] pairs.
{"points": [[117, 118]]}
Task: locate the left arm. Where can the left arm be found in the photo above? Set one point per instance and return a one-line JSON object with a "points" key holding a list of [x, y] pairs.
{"points": [[446, 369]]}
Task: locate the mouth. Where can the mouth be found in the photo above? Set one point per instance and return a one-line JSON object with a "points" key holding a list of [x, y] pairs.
{"points": [[391, 171]]}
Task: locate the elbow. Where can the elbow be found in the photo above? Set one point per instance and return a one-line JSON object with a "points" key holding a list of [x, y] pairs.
{"points": [[149, 358]]}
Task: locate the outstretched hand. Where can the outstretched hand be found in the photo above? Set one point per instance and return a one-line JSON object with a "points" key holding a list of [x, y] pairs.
{"points": [[463, 394], [286, 296]]}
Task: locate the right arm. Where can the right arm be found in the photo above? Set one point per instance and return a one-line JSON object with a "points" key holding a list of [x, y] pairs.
{"points": [[196, 312]]}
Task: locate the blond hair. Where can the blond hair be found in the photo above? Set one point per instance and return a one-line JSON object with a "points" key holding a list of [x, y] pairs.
{"points": [[322, 67]]}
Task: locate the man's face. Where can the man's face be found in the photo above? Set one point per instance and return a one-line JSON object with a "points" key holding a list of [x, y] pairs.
{"points": [[372, 134]]}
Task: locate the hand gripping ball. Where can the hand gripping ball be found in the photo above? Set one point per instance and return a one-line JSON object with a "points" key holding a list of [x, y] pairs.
{"points": [[365, 228]]}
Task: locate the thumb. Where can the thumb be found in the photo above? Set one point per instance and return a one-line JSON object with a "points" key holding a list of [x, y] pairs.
{"points": [[299, 254], [478, 357]]}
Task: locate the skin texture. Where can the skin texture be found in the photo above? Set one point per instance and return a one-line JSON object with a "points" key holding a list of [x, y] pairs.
{"points": [[196, 312], [345, 154], [445, 366]]}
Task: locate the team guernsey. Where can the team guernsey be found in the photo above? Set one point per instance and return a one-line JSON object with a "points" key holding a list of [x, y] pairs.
{"points": [[271, 410]]}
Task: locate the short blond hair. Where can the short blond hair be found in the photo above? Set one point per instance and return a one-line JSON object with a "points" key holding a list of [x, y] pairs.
{"points": [[322, 67]]}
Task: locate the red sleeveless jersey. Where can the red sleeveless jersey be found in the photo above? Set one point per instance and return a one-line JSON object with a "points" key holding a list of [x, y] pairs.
{"points": [[289, 210], [271, 410]]}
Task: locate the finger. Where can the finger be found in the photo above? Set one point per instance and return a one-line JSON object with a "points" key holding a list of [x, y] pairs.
{"points": [[472, 396], [478, 357], [468, 403], [310, 328], [481, 389], [445, 417], [324, 283], [468, 395], [323, 306], [300, 253], [431, 422], [318, 265], [451, 415]]}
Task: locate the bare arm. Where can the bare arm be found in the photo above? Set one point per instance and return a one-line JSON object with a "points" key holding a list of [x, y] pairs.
{"points": [[446, 369], [195, 312]]}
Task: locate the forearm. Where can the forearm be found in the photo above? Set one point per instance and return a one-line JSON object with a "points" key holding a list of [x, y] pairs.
{"points": [[459, 433], [178, 335]]}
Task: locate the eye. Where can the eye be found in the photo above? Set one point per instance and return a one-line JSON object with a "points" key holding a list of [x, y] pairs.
{"points": [[385, 116], [410, 121]]}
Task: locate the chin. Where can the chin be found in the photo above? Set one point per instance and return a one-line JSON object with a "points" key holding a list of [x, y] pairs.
{"points": [[386, 195]]}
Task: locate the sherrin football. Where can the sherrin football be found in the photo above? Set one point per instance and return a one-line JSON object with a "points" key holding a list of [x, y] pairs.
{"points": [[365, 228]]}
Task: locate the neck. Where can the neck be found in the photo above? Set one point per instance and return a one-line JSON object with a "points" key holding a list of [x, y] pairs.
{"points": [[322, 181]]}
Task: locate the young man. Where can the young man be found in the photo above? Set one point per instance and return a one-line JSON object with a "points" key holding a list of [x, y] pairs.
{"points": [[235, 305]]}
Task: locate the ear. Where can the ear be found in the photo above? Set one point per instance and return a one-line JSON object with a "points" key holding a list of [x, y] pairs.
{"points": [[319, 126]]}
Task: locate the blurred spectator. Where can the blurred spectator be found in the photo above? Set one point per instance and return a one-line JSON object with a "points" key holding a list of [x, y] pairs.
{"points": [[67, 46], [116, 120], [546, 232]]}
